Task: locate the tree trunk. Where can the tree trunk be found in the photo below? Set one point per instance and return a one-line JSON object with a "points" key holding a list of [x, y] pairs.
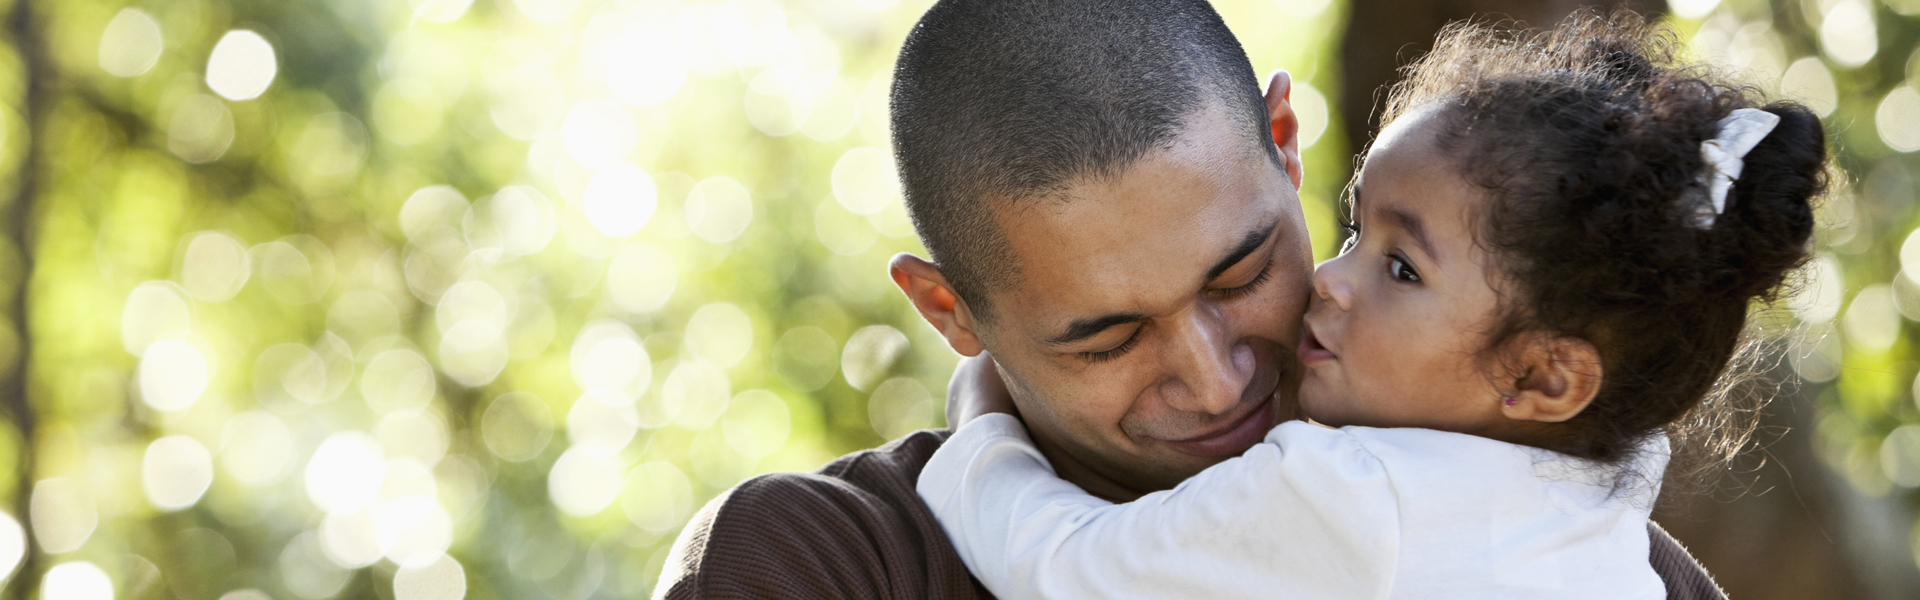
{"points": [[1384, 35], [16, 226]]}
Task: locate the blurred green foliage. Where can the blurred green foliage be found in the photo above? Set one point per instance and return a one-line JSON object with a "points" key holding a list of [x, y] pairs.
{"points": [[433, 299]]}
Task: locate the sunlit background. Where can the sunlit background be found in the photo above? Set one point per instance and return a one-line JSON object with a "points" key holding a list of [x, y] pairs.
{"points": [[443, 299]]}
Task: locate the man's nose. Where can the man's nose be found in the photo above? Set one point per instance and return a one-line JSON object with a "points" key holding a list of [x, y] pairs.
{"points": [[1332, 282], [1212, 365]]}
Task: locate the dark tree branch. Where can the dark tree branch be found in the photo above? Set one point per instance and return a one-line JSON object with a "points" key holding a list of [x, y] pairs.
{"points": [[17, 219]]}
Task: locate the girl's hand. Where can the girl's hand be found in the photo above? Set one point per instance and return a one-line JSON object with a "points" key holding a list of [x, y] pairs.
{"points": [[975, 390]]}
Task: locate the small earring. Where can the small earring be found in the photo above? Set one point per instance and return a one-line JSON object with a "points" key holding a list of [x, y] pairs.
{"points": [[1511, 402]]}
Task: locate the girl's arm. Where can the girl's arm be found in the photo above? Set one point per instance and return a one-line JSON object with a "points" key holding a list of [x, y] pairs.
{"points": [[1308, 514]]}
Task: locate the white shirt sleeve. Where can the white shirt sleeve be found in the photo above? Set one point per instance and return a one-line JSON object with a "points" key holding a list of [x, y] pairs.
{"points": [[1309, 513]]}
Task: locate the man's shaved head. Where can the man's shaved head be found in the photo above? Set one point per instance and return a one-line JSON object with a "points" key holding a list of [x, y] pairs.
{"points": [[997, 101]]}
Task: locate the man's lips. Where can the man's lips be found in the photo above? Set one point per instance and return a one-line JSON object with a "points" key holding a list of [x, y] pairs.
{"points": [[1311, 350], [1233, 438]]}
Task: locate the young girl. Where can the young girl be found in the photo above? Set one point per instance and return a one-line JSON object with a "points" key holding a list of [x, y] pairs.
{"points": [[1556, 241]]}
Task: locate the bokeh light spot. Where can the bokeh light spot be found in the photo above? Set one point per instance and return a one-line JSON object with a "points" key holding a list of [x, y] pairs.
{"points": [[398, 379], [1692, 9], [413, 531], [1310, 107], [176, 472], [214, 266], [842, 231], [154, 310], [306, 570], [80, 580], [610, 364], [13, 544], [131, 43], [658, 497], [1847, 33], [619, 200], [546, 11], [200, 129], [475, 302], [345, 472], [288, 272], [407, 111], [241, 66], [63, 515], [526, 101], [520, 219], [1808, 80], [719, 209], [593, 426], [440, 11], [647, 70], [434, 205], [289, 372], [173, 374], [641, 278], [870, 353], [473, 352], [350, 539], [1871, 321], [255, 447], [806, 357], [583, 482], [598, 133], [1898, 119], [415, 435], [516, 426], [693, 395], [442, 579], [361, 316], [757, 423], [720, 333], [1900, 456], [1819, 299], [900, 406], [864, 180]]}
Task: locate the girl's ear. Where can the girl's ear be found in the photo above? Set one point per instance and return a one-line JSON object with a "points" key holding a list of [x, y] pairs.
{"points": [[1560, 377]]}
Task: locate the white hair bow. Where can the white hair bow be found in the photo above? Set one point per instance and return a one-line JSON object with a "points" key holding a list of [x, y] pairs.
{"points": [[1725, 156]]}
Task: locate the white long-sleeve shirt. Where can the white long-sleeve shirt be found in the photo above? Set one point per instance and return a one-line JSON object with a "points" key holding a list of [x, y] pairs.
{"points": [[1311, 512]]}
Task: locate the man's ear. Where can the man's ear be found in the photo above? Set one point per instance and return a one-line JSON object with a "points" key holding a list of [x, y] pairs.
{"points": [[1560, 378], [927, 289], [1286, 126]]}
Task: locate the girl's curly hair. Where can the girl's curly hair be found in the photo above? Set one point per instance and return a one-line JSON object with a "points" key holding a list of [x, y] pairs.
{"points": [[1587, 140]]}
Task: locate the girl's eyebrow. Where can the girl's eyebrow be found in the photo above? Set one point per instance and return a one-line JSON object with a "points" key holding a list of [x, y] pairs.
{"points": [[1415, 228]]}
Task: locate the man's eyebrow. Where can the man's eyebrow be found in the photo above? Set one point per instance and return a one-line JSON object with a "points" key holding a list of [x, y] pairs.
{"points": [[1082, 329], [1415, 228], [1253, 240]]}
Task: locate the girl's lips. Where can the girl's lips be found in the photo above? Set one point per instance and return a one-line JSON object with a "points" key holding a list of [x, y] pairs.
{"points": [[1311, 351], [1233, 440]]}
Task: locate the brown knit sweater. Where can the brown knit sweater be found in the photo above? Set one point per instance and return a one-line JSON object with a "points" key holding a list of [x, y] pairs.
{"points": [[855, 529]]}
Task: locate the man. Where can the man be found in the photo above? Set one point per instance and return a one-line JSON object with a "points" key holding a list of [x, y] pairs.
{"points": [[1110, 217]]}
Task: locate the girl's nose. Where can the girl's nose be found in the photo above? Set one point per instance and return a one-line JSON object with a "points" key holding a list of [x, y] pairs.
{"points": [[1332, 282]]}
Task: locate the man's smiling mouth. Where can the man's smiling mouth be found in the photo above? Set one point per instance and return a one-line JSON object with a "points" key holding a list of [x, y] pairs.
{"points": [[1232, 438]]}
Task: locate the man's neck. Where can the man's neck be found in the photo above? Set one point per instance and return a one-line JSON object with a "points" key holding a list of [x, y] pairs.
{"points": [[1067, 467]]}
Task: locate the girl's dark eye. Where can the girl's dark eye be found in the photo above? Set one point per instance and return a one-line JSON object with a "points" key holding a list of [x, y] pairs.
{"points": [[1403, 271], [1353, 235]]}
